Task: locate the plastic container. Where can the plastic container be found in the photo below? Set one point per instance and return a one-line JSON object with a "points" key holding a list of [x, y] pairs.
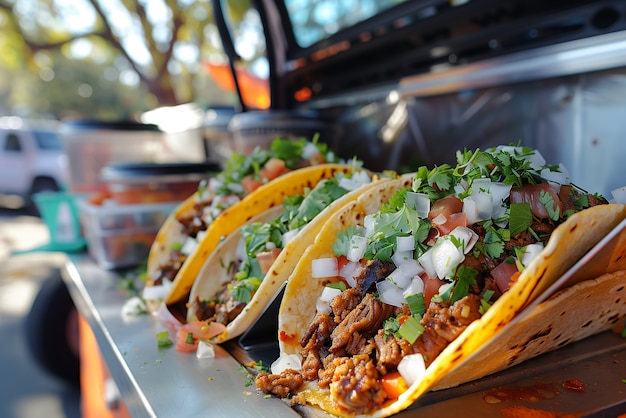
{"points": [[120, 236], [130, 183], [91, 145], [259, 128]]}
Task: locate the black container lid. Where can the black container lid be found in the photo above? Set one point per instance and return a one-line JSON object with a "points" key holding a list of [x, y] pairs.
{"points": [[126, 170]]}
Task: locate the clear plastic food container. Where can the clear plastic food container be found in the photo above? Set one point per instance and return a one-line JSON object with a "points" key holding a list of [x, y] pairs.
{"points": [[121, 235], [130, 183]]}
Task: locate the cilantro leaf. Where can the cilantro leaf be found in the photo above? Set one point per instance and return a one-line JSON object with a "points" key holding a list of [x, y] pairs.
{"points": [[521, 218]]}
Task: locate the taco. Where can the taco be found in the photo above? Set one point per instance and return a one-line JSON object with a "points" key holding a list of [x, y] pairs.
{"points": [[396, 293], [186, 228], [245, 271]]}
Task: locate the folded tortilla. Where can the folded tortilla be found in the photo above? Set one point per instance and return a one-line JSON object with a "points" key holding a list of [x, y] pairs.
{"points": [[598, 306], [266, 196], [216, 270]]}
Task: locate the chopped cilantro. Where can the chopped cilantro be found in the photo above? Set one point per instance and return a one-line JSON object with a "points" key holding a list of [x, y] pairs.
{"points": [[547, 200], [520, 219], [465, 278], [337, 285]]}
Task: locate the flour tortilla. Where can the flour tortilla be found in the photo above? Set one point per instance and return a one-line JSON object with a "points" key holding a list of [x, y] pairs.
{"points": [[215, 270], [569, 242], [269, 195]]}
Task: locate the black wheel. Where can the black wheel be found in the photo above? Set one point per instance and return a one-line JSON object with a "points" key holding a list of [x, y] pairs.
{"points": [[52, 331]]}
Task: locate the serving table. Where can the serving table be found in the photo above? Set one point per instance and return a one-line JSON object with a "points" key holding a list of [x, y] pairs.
{"points": [[587, 378]]}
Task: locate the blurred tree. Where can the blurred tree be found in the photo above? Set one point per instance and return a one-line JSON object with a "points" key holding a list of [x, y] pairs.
{"points": [[154, 45]]}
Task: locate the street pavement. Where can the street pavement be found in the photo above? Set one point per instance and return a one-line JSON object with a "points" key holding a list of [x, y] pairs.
{"points": [[27, 389]]}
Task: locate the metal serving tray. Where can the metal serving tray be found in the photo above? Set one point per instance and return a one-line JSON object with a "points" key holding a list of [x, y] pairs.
{"points": [[163, 382]]}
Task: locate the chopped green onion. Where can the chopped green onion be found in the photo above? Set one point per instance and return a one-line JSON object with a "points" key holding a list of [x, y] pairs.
{"points": [[189, 339], [163, 339], [410, 329], [416, 304], [176, 246], [484, 302]]}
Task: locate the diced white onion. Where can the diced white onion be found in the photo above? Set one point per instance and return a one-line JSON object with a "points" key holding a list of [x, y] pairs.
{"points": [[205, 350], [416, 287], [481, 195], [236, 188], [399, 278], [362, 177], [323, 302], [358, 245], [189, 246], [286, 361], [530, 252], [470, 210], [324, 267], [619, 195], [309, 150], [555, 178], [322, 307], [133, 307], [289, 235], [467, 236], [446, 256], [412, 368], [348, 272], [358, 179], [426, 261], [499, 192], [399, 258], [328, 293], [419, 202], [158, 292], [390, 293], [369, 224], [405, 243]]}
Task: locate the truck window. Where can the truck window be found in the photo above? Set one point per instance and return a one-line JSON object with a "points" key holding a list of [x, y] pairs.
{"points": [[12, 143]]}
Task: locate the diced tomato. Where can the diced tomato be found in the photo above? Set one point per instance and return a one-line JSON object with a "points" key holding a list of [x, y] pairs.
{"points": [[394, 384], [267, 258], [250, 183], [182, 343], [504, 273], [445, 206], [273, 168], [452, 221], [199, 330], [431, 287], [316, 159], [342, 260], [531, 193]]}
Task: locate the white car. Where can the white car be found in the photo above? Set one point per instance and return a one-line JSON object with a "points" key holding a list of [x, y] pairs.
{"points": [[32, 158]]}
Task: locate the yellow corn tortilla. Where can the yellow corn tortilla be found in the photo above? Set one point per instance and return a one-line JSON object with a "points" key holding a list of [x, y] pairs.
{"points": [[569, 242], [215, 271], [268, 195]]}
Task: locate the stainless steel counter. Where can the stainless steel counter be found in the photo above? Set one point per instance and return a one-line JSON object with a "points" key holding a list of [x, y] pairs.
{"points": [[162, 382]]}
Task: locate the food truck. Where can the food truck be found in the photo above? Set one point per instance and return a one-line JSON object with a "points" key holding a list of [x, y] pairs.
{"points": [[398, 85]]}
